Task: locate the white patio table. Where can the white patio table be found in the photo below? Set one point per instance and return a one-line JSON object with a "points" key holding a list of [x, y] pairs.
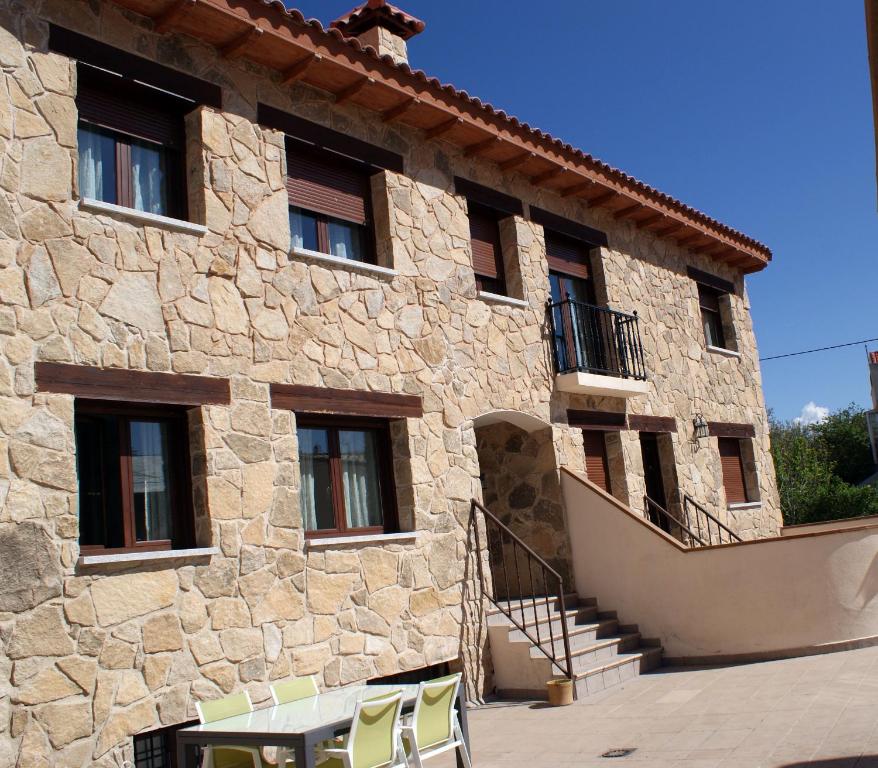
{"points": [[299, 725]]}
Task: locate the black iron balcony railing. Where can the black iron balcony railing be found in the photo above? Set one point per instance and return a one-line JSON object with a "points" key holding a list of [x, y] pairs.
{"points": [[590, 339]]}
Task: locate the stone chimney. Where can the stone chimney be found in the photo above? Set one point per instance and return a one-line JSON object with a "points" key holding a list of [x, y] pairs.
{"points": [[381, 25]]}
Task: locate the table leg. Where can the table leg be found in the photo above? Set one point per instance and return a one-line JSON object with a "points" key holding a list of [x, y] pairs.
{"points": [[461, 713], [186, 754], [305, 755]]}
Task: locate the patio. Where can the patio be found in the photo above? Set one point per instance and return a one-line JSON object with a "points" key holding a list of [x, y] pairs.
{"points": [[817, 711]]}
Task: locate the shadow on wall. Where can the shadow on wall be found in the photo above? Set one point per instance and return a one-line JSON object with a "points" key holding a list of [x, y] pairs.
{"points": [[863, 761], [520, 485]]}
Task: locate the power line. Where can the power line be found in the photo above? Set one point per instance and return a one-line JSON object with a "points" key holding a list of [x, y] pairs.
{"points": [[819, 349]]}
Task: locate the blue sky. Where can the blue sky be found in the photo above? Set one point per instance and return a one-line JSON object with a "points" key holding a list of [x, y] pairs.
{"points": [[757, 113]]}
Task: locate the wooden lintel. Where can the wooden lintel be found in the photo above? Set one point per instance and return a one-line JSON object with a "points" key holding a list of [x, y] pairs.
{"points": [[577, 189], [514, 162], [297, 71], [480, 147], [442, 128], [598, 200], [552, 173], [394, 113], [168, 17], [235, 47], [352, 90], [623, 213], [649, 221]]}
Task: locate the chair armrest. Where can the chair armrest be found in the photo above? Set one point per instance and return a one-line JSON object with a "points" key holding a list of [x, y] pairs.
{"points": [[335, 752]]}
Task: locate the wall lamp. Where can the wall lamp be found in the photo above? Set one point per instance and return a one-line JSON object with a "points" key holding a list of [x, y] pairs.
{"points": [[701, 429]]}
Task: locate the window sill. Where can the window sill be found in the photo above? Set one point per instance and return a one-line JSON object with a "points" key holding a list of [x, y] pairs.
{"points": [[144, 557], [372, 538], [745, 505], [496, 298], [336, 261], [142, 217], [723, 351]]}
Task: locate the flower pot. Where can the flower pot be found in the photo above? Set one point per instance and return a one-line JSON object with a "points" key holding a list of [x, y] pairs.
{"points": [[560, 692]]}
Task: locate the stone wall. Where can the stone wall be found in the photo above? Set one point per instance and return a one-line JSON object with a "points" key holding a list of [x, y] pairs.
{"points": [[93, 655]]}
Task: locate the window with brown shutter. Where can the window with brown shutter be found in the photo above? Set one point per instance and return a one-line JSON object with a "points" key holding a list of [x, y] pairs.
{"points": [[596, 467], [733, 470], [330, 210], [131, 143], [487, 253], [567, 256]]}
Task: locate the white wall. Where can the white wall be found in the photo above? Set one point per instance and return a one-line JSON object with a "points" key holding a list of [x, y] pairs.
{"points": [[794, 593]]}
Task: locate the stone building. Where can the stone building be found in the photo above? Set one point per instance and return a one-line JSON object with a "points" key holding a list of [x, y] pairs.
{"points": [[273, 310]]}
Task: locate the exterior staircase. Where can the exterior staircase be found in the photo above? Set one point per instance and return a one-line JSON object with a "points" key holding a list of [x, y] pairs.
{"points": [[603, 652]]}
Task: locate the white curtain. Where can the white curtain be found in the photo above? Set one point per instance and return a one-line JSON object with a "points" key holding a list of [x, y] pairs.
{"points": [[150, 479], [359, 471], [307, 495], [91, 165], [148, 179], [297, 228]]}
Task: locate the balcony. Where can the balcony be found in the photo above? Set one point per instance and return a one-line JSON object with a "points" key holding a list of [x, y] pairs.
{"points": [[597, 350]]}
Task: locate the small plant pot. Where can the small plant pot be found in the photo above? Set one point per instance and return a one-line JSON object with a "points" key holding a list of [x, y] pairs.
{"points": [[560, 692]]}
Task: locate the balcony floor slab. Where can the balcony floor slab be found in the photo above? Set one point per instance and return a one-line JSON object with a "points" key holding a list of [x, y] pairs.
{"points": [[596, 384]]}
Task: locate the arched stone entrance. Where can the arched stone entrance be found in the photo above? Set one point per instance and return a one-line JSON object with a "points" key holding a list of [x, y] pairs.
{"points": [[520, 482]]}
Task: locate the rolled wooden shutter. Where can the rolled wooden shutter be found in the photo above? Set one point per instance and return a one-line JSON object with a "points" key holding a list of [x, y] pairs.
{"points": [[596, 467], [733, 470], [485, 238], [129, 108], [566, 255], [323, 185]]}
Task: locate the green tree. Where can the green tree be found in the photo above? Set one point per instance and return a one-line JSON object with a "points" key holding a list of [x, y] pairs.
{"points": [[817, 468]]}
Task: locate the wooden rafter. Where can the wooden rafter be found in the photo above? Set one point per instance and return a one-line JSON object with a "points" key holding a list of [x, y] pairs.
{"points": [[670, 230], [624, 213], [297, 71], [649, 221], [442, 128], [577, 189], [515, 162], [552, 173], [682, 241], [598, 200], [394, 113], [236, 46], [172, 14], [352, 90], [480, 147]]}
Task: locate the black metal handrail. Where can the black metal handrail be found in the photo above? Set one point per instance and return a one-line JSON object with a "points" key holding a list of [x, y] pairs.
{"points": [[503, 545], [663, 519], [701, 514], [592, 339]]}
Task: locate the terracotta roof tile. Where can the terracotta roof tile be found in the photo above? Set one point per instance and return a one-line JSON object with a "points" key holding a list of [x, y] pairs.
{"points": [[598, 165], [352, 22]]}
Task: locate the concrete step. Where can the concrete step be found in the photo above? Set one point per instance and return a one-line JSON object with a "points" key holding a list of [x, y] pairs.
{"points": [[624, 667], [539, 607]]}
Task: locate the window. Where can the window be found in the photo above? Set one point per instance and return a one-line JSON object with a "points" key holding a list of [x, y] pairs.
{"points": [[596, 466], [131, 143], [732, 463], [484, 230], [711, 317], [347, 482], [133, 471], [330, 208]]}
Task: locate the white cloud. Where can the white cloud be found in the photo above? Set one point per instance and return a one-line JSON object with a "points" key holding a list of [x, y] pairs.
{"points": [[812, 414]]}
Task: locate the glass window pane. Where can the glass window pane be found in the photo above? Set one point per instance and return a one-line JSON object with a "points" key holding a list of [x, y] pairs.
{"points": [[149, 177], [97, 163], [303, 229], [151, 480], [346, 240], [359, 472], [98, 474], [316, 492], [713, 329]]}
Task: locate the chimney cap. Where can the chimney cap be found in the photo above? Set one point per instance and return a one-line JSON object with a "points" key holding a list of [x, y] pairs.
{"points": [[378, 13], [873, 357]]}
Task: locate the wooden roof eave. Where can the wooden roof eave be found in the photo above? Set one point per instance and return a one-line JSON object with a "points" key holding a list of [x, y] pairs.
{"points": [[333, 65]]}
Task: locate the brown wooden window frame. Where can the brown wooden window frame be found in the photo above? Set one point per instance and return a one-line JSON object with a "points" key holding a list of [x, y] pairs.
{"points": [[324, 217], [738, 454], [387, 486], [708, 304], [126, 111], [493, 281], [179, 464]]}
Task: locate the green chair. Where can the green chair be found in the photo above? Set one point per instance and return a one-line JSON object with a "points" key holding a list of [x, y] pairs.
{"points": [[230, 756], [435, 727], [374, 739], [293, 690]]}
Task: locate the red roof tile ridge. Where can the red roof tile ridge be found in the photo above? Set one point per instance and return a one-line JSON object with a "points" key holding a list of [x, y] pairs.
{"points": [[597, 164], [412, 23]]}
